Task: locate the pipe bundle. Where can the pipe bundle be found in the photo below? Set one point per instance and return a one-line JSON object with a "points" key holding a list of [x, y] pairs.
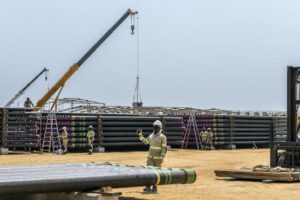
{"points": [[280, 129], [89, 176], [235, 130], [22, 128], [77, 127], [113, 131], [19, 130], [119, 131], [242, 130]]}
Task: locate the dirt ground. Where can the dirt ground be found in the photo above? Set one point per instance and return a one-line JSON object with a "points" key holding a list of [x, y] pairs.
{"points": [[207, 186]]}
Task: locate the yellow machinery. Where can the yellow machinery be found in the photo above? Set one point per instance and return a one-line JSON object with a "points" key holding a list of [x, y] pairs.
{"points": [[60, 83]]}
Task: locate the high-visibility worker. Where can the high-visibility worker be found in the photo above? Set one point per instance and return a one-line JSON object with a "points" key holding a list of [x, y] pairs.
{"points": [[210, 138], [90, 136], [64, 138], [204, 138], [28, 103], [157, 149]]}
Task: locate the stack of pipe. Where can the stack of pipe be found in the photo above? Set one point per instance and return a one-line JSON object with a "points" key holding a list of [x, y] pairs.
{"points": [[84, 177], [113, 131], [19, 129], [234, 130], [242, 130], [2, 125], [280, 129], [119, 131], [77, 127]]}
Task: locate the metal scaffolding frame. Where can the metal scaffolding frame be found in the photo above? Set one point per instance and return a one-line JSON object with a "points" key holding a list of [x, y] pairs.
{"points": [[78, 105]]}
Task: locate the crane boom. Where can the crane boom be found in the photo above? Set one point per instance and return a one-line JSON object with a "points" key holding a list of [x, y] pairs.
{"points": [[60, 83], [21, 92]]}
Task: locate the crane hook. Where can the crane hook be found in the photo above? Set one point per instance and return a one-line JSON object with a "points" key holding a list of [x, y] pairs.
{"points": [[132, 29]]}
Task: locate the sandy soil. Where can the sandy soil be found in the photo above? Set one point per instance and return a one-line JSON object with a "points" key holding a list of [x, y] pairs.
{"points": [[206, 187]]}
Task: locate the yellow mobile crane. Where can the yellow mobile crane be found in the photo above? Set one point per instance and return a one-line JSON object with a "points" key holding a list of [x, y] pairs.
{"points": [[60, 83]]}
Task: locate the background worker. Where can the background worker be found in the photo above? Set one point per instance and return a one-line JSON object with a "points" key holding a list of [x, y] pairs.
{"points": [[157, 149], [210, 138], [64, 138], [28, 103], [204, 135], [90, 136]]}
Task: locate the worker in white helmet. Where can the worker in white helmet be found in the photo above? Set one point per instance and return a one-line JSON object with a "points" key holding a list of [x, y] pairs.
{"points": [[90, 136], [64, 138], [157, 150]]}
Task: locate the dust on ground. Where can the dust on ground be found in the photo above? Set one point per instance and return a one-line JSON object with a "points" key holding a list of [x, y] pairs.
{"points": [[207, 186]]}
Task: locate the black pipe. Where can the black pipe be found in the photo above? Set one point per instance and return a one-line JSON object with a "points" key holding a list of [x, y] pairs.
{"points": [[20, 145], [138, 118], [243, 133], [236, 121], [135, 128], [242, 138], [241, 142], [137, 123], [115, 144], [242, 129], [241, 117], [133, 139], [243, 125], [83, 118], [113, 134], [90, 176]]}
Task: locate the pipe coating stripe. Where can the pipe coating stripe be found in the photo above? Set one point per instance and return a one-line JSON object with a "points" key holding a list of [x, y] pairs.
{"points": [[152, 147], [168, 177], [157, 178], [191, 176]]}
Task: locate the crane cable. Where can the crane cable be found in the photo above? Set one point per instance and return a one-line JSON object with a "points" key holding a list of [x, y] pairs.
{"points": [[47, 83], [135, 22]]}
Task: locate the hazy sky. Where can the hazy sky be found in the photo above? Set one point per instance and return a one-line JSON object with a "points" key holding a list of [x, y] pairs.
{"points": [[229, 54]]}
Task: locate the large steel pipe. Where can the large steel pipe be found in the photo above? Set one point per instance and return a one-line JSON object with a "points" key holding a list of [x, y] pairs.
{"points": [[242, 138], [135, 128], [243, 125], [138, 118], [137, 123], [242, 133], [132, 139], [90, 176], [119, 144], [116, 134], [238, 121], [241, 142]]}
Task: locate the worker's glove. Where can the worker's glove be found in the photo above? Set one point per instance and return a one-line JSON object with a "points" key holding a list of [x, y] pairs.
{"points": [[139, 132]]}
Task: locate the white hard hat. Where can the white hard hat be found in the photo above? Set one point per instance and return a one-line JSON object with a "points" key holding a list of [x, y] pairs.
{"points": [[157, 123], [64, 128]]}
